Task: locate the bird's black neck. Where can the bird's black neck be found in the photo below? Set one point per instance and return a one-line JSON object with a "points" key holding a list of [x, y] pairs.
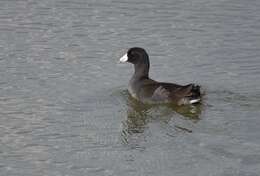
{"points": [[142, 69]]}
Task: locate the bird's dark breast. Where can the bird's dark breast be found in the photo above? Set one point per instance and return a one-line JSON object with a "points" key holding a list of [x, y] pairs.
{"points": [[149, 92], [141, 90]]}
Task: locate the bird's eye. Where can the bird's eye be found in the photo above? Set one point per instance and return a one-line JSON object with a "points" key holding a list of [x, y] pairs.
{"points": [[133, 54], [130, 54]]}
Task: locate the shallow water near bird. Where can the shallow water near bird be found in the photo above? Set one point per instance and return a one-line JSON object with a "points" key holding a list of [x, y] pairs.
{"points": [[64, 105]]}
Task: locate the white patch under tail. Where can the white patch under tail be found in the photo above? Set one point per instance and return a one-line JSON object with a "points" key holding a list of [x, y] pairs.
{"points": [[194, 101]]}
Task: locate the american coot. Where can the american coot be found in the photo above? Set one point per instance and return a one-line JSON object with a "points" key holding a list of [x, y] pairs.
{"points": [[146, 90]]}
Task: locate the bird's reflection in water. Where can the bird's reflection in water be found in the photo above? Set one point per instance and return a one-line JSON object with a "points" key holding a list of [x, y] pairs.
{"points": [[139, 115]]}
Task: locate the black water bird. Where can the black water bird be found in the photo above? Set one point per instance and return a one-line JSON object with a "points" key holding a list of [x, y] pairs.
{"points": [[146, 90]]}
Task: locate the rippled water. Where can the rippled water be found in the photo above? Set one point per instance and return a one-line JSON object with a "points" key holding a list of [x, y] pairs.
{"points": [[64, 108]]}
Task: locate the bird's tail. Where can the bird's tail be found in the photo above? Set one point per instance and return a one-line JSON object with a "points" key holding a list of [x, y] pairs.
{"points": [[196, 94]]}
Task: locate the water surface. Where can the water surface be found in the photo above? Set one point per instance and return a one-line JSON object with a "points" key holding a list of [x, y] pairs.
{"points": [[64, 108]]}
